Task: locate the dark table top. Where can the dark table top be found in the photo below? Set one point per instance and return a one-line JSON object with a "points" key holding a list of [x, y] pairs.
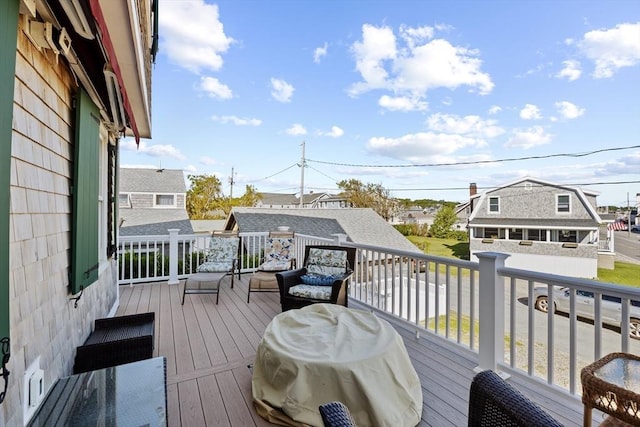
{"points": [[133, 394]]}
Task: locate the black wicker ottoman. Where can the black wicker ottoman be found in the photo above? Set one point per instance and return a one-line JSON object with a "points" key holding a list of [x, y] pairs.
{"points": [[116, 340]]}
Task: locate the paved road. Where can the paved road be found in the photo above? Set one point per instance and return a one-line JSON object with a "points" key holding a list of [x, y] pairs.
{"points": [[627, 246]]}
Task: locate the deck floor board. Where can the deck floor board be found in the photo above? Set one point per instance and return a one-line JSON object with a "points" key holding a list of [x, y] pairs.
{"points": [[209, 347]]}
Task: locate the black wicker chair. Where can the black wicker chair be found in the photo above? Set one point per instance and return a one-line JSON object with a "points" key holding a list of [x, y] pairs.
{"points": [[336, 414], [339, 287], [495, 403]]}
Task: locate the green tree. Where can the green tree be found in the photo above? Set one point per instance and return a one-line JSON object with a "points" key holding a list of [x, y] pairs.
{"points": [[373, 196], [443, 223], [248, 199], [204, 197]]}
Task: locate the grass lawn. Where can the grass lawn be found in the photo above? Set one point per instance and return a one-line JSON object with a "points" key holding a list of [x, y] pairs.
{"points": [[450, 248], [624, 273]]}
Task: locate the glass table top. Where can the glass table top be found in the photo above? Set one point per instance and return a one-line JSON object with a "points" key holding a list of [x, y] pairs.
{"points": [[621, 372], [133, 394]]}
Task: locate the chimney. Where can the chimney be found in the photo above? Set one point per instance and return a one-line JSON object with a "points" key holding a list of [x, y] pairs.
{"points": [[473, 189]]}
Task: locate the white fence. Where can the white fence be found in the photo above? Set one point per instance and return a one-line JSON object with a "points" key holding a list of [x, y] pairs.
{"points": [[482, 306]]}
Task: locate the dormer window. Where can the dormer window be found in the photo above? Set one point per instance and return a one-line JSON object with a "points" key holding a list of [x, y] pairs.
{"points": [[494, 204], [563, 203], [124, 200], [165, 200]]}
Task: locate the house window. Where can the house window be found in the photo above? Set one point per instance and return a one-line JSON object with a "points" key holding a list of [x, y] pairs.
{"points": [[494, 204], [124, 200], [537, 235], [563, 203], [494, 233], [516, 233], [565, 236], [165, 200]]}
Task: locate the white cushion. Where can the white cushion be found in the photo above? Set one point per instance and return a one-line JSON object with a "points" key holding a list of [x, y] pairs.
{"points": [[311, 291]]}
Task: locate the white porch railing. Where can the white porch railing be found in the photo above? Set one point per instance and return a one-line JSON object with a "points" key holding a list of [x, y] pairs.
{"points": [[483, 307]]}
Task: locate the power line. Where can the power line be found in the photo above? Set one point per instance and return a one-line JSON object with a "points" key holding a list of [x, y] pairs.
{"points": [[480, 162]]}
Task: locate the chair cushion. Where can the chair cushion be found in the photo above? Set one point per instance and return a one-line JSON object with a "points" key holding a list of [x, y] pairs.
{"points": [[326, 261], [223, 249], [215, 266], [311, 291], [275, 265], [317, 279]]}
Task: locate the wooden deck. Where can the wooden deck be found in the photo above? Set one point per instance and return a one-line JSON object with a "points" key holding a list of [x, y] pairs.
{"points": [[208, 348]]}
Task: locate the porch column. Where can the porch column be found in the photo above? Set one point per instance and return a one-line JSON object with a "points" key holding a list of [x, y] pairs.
{"points": [[173, 256], [491, 307]]}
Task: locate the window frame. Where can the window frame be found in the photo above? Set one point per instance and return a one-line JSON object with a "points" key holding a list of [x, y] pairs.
{"points": [[489, 204], [162, 206], [568, 203]]}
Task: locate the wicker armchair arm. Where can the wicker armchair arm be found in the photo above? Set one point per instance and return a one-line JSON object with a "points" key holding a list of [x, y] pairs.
{"points": [[494, 402]]}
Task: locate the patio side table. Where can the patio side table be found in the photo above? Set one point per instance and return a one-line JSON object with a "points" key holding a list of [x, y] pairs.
{"points": [[612, 385]]}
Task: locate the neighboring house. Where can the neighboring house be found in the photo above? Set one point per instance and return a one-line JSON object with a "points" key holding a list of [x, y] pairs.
{"points": [[152, 201], [311, 200], [544, 226], [361, 225], [416, 215], [64, 105]]}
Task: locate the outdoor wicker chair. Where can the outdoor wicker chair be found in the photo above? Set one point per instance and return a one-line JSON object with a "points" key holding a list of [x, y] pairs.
{"points": [[323, 279], [495, 403], [336, 414]]}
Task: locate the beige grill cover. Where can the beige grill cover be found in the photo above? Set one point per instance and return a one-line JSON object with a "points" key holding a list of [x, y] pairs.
{"points": [[326, 352]]}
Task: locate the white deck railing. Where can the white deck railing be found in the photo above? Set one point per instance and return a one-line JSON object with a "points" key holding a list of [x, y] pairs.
{"points": [[442, 296]]}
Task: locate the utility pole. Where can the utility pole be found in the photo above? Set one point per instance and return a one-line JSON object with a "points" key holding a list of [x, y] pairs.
{"points": [[302, 166], [628, 217], [231, 182]]}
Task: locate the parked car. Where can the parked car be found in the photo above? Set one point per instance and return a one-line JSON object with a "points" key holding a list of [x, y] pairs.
{"points": [[611, 308]]}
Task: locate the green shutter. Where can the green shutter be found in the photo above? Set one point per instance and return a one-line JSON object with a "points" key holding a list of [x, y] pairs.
{"points": [[84, 246], [8, 49]]}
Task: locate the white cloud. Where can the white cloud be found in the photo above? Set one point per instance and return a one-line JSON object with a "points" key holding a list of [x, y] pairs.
{"points": [[468, 125], [530, 112], [413, 36], [156, 150], [420, 65], [319, 53], [422, 147], [212, 87], [571, 70], [528, 138], [281, 90], [238, 121], [208, 161], [335, 132], [296, 130], [495, 109], [612, 49], [193, 36], [569, 110], [402, 103]]}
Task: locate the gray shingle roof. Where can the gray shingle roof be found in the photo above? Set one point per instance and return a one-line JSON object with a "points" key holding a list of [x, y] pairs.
{"points": [[139, 180], [141, 222], [362, 226]]}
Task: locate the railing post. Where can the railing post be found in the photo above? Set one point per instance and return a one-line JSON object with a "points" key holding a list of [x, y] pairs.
{"points": [[173, 256], [339, 238], [491, 308]]}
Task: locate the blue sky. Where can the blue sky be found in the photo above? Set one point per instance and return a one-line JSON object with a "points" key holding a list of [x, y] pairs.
{"points": [[381, 91]]}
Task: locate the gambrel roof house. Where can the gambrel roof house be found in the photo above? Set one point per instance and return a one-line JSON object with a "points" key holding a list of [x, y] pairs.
{"points": [[544, 226], [151, 201], [75, 77]]}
